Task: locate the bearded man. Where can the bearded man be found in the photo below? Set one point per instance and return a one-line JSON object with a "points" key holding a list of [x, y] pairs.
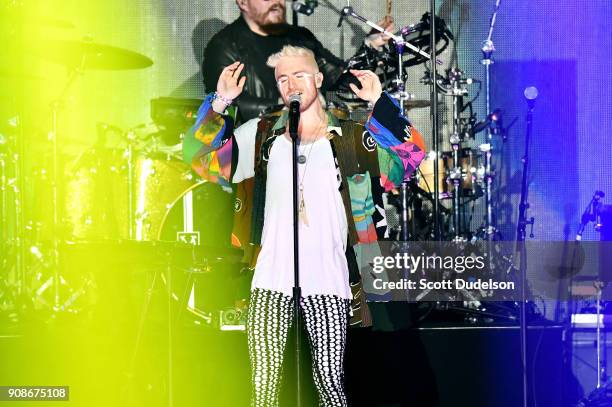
{"points": [[260, 31]]}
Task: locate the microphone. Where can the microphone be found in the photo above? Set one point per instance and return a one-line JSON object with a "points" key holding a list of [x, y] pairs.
{"points": [[590, 214], [531, 94], [294, 115], [597, 211], [306, 9]]}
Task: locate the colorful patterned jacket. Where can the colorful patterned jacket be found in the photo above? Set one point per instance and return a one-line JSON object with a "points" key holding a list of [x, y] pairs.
{"points": [[387, 150]]}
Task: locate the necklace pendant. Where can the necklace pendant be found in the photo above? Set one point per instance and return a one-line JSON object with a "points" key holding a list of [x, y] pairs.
{"points": [[301, 159], [302, 209]]}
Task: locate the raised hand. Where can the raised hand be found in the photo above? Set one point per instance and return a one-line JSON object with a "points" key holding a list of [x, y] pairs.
{"points": [[230, 85], [371, 88]]}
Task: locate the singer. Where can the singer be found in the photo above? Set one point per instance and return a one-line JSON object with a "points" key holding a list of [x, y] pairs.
{"points": [[260, 151]]}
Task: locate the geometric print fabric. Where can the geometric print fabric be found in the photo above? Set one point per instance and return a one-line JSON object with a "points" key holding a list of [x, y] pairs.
{"points": [[270, 316]]}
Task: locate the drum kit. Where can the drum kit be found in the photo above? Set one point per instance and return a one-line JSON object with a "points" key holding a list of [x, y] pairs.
{"points": [[463, 173], [132, 185], [130, 189], [439, 202]]}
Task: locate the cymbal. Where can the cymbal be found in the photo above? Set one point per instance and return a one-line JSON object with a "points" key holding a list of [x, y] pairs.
{"points": [[92, 56], [417, 103], [410, 103]]}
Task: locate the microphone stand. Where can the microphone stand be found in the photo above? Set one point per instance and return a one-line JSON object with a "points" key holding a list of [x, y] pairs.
{"points": [[297, 290], [522, 251]]}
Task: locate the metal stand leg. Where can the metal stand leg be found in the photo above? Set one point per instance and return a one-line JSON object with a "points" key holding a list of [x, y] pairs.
{"points": [[158, 274], [407, 216], [602, 374]]}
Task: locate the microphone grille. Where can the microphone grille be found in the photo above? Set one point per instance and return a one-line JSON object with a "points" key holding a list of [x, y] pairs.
{"points": [[295, 98], [531, 93]]}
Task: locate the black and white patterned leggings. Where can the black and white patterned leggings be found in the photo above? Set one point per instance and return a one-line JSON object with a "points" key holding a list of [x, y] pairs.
{"points": [[269, 319]]}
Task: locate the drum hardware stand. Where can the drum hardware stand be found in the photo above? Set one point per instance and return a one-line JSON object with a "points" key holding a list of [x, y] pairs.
{"points": [[487, 52], [602, 373], [3, 197], [348, 11], [521, 232], [56, 106], [5, 288], [591, 214], [456, 175], [5, 184], [130, 183], [455, 86], [401, 95], [408, 229], [13, 233], [14, 183], [294, 16], [158, 274], [201, 268]]}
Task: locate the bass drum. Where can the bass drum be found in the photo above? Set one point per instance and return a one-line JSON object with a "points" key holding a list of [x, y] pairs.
{"points": [[158, 179], [216, 285], [202, 215]]}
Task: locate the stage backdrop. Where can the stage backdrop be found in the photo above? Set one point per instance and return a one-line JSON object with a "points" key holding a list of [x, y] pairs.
{"points": [[562, 48]]}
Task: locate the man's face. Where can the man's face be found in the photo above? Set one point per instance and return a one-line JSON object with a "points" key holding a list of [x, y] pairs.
{"points": [[265, 13], [298, 75]]}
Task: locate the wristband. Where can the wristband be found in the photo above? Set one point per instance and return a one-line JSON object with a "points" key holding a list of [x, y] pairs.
{"points": [[223, 99]]}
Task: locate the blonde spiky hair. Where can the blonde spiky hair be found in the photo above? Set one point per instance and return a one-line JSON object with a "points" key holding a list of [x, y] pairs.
{"points": [[292, 51]]}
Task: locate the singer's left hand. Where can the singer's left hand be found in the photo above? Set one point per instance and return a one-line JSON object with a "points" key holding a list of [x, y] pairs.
{"points": [[371, 88]]}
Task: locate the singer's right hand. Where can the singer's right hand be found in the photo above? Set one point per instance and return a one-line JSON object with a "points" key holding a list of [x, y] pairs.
{"points": [[230, 83]]}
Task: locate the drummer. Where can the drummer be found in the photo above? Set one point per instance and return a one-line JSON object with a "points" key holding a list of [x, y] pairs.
{"points": [[260, 31]]}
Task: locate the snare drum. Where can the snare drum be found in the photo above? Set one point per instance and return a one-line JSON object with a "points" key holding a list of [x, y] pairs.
{"points": [[469, 162], [425, 174]]}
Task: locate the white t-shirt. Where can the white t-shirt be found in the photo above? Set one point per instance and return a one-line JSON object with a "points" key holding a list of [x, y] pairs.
{"points": [[323, 266]]}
